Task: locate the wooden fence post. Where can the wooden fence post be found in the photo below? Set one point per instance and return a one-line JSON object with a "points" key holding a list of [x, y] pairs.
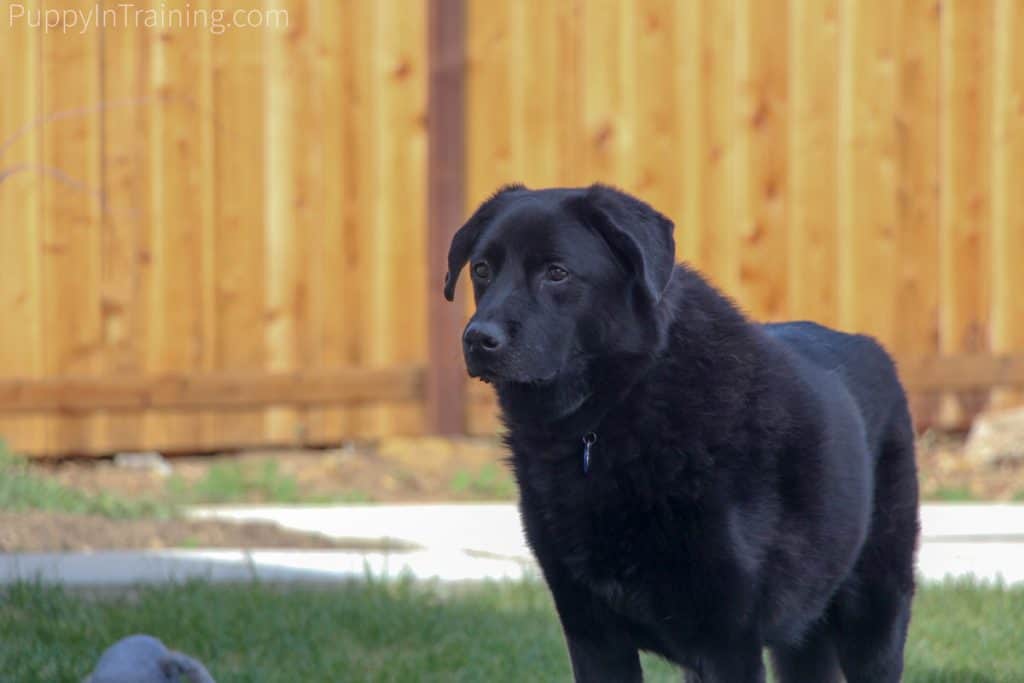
{"points": [[446, 381]]}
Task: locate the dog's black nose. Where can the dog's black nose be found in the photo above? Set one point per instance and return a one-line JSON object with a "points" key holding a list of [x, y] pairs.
{"points": [[483, 336]]}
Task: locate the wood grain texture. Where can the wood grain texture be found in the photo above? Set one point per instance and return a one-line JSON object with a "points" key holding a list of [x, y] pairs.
{"points": [[399, 275], [240, 216], [1007, 304], [868, 167], [333, 311], [965, 215], [21, 347], [718, 256], [290, 188], [916, 297], [762, 181], [190, 391], [126, 256], [256, 201], [812, 163], [72, 207], [175, 341]]}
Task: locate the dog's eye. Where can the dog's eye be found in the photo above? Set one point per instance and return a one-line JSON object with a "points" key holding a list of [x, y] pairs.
{"points": [[557, 273], [481, 270]]}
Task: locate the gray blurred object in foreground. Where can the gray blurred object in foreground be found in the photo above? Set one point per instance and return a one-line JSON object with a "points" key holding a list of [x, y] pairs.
{"points": [[144, 659]]}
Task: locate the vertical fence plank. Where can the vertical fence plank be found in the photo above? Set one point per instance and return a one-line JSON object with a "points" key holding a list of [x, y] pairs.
{"points": [[569, 89], [361, 191], [867, 162], [72, 208], [813, 118], [175, 342], [240, 216], [1007, 304], [399, 241], [20, 239], [288, 212], [446, 186], [536, 77], [916, 295], [332, 310], [489, 40], [206, 131], [605, 128], [657, 146], [717, 256], [126, 256], [762, 182], [689, 52], [966, 205]]}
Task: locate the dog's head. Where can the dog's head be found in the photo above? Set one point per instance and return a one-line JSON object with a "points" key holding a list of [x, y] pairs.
{"points": [[562, 278]]}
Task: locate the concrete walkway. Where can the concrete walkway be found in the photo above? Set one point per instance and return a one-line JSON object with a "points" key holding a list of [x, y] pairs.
{"points": [[467, 542]]}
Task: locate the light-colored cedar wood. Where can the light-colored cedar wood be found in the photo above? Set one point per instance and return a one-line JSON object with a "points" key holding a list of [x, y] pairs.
{"points": [[72, 209], [536, 77], [397, 296], [333, 311], [688, 54], [868, 166], [719, 111], [1007, 303], [916, 293], [240, 216], [190, 391], [962, 372], [21, 348], [965, 214], [762, 83], [606, 131], [206, 130], [489, 116], [175, 340], [289, 186], [569, 87], [656, 148], [361, 192], [811, 153], [128, 106]]}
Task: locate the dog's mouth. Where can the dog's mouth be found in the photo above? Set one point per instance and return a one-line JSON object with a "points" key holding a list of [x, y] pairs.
{"points": [[496, 379]]}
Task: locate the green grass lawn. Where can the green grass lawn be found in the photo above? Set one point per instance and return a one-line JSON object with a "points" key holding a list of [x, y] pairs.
{"points": [[372, 631], [21, 489]]}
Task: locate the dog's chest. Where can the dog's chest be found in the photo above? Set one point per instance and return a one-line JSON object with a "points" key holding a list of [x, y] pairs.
{"points": [[614, 526]]}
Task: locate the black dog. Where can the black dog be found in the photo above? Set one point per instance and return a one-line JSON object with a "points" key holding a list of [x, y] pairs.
{"points": [[691, 483]]}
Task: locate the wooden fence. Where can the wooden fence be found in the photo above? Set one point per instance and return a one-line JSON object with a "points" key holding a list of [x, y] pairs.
{"points": [[212, 240]]}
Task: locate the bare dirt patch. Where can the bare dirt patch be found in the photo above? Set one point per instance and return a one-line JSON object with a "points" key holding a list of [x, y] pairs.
{"points": [[38, 531], [392, 470]]}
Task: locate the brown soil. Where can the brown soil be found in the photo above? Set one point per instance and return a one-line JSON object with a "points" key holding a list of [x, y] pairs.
{"points": [[389, 470], [407, 470], [50, 531], [427, 469]]}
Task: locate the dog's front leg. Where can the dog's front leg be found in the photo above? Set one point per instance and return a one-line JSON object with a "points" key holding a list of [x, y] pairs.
{"points": [[598, 660], [601, 651], [740, 662]]}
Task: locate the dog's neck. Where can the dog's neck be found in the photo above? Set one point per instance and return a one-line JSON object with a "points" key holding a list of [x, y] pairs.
{"points": [[574, 405], [698, 323]]}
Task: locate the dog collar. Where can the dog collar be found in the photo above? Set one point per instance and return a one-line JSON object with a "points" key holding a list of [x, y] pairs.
{"points": [[588, 440]]}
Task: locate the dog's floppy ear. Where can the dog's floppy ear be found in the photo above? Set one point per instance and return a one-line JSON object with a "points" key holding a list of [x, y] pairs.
{"points": [[467, 235], [638, 234]]}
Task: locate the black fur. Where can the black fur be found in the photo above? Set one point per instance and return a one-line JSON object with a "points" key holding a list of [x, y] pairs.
{"points": [[750, 486]]}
